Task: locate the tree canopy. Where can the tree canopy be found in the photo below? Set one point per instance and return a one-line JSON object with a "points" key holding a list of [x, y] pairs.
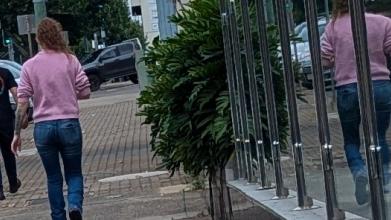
{"points": [[81, 18]]}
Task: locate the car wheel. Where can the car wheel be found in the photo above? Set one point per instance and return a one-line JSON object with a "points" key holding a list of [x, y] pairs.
{"points": [[133, 78], [95, 82]]}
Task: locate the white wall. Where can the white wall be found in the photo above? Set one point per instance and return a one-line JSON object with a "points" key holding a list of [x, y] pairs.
{"points": [[149, 17]]}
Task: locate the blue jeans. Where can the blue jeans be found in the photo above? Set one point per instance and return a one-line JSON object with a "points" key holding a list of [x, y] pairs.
{"points": [[61, 137], [350, 117]]}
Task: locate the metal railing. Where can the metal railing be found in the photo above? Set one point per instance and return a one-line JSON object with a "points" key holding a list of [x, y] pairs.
{"points": [[243, 110]]}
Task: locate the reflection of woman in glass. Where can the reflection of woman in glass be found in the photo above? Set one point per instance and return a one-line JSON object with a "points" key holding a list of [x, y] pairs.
{"points": [[338, 51], [55, 80]]}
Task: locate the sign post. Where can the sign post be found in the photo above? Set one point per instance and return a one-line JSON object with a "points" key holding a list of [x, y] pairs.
{"points": [[26, 26], [39, 10]]}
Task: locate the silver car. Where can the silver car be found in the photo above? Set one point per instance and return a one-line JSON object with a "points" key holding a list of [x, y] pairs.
{"points": [[302, 53]]}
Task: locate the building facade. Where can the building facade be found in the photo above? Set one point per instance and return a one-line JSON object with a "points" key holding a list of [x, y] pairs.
{"points": [[146, 12]]}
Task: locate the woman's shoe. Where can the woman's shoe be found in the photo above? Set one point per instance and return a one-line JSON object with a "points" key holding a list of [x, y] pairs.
{"points": [[362, 194], [75, 214], [2, 197], [15, 188]]}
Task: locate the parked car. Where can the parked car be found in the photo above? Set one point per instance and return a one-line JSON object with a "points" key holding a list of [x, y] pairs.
{"points": [[15, 69], [304, 55], [114, 61]]}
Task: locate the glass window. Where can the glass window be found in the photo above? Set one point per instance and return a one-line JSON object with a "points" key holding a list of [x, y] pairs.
{"points": [[109, 54], [125, 49], [91, 57], [304, 33]]}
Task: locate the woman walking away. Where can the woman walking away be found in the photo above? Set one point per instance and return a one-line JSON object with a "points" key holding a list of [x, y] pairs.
{"points": [[338, 51], [55, 80]]}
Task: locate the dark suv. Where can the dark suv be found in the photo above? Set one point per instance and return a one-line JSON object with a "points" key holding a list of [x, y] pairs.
{"points": [[114, 61]]}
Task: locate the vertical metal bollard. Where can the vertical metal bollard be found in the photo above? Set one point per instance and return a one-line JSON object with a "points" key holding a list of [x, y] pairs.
{"points": [[281, 191], [304, 201], [254, 97], [245, 138], [231, 82], [367, 109], [333, 211]]}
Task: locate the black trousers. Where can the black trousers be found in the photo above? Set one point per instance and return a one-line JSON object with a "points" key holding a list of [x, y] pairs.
{"points": [[6, 135]]}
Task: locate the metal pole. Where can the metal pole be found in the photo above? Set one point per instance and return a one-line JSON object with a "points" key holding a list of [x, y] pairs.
{"points": [[304, 201], [327, 10], [39, 10], [166, 8], [242, 95], [333, 211], [29, 30], [367, 107], [269, 11], [30, 44], [231, 81], [255, 106], [281, 191], [11, 54]]}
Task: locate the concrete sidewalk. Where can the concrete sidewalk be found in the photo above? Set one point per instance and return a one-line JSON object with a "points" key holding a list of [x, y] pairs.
{"points": [[115, 143]]}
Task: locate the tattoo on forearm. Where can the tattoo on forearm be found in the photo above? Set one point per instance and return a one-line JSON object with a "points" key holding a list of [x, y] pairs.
{"points": [[20, 113]]}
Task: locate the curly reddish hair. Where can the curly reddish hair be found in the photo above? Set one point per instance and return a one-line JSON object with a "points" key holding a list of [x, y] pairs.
{"points": [[50, 37], [340, 8]]}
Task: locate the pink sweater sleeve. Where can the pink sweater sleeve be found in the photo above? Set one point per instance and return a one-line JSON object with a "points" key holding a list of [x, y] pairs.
{"points": [[327, 49], [25, 88], [327, 44], [82, 83], [387, 37]]}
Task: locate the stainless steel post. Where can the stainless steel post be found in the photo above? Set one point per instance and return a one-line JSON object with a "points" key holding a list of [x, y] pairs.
{"points": [[333, 211], [304, 201], [253, 90], [367, 107], [231, 82], [242, 93], [281, 191]]}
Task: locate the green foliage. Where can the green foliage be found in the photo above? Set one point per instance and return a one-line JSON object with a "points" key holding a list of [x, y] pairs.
{"points": [[187, 104], [81, 18]]}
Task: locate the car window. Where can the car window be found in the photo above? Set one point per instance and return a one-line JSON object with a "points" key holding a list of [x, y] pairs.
{"points": [[304, 33], [91, 57], [322, 29], [125, 49], [108, 54], [137, 46]]}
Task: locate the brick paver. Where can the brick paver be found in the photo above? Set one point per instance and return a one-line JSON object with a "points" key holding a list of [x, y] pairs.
{"points": [[115, 143]]}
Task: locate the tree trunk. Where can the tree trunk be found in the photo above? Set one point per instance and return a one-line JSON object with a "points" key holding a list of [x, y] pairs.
{"points": [[219, 196]]}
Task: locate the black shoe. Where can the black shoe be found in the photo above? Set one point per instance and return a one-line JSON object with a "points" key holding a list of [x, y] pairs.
{"points": [[15, 188], [75, 214], [362, 195], [2, 197]]}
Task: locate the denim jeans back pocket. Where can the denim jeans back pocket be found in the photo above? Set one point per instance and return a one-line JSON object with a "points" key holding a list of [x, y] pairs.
{"points": [[347, 101], [382, 93], [43, 135], [70, 133]]}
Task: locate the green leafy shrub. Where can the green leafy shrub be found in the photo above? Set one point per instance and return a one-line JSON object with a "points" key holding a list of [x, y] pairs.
{"points": [[187, 104]]}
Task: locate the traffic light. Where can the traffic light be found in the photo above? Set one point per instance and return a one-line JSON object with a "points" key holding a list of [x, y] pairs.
{"points": [[8, 41]]}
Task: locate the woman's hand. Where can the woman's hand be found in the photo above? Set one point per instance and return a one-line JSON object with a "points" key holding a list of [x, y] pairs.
{"points": [[16, 145]]}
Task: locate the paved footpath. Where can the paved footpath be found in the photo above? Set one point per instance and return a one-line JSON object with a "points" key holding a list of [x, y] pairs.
{"points": [[115, 143]]}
